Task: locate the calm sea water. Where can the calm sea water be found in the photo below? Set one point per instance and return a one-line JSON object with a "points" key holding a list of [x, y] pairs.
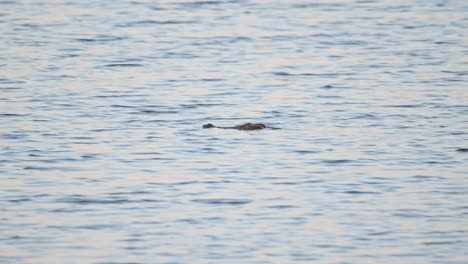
{"points": [[103, 158]]}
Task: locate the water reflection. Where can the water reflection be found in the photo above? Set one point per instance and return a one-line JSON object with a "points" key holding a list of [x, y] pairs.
{"points": [[104, 159]]}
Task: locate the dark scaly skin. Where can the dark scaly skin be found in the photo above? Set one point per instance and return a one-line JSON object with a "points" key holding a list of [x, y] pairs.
{"points": [[247, 126]]}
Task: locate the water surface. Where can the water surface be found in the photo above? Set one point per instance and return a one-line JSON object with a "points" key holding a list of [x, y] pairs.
{"points": [[103, 159]]}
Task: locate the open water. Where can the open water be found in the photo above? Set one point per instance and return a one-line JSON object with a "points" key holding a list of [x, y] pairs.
{"points": [[103, 158]]}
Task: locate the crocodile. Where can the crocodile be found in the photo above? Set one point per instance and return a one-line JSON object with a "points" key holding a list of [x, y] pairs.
{"points": [[247, 126]]}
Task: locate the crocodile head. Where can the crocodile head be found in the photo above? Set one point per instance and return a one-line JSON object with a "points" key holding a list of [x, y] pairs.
{"points": [[208, 126]]}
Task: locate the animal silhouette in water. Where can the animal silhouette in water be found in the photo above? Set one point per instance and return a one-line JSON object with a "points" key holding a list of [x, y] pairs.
{"points": [[248, 126]]}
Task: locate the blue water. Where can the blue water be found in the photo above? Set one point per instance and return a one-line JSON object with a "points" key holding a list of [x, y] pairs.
{"points": [[103, 158]]}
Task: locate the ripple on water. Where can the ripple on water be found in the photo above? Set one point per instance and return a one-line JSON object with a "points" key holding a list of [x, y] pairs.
{"points": [[124, 65], [104, 160], [222, 201], [86, 200]]}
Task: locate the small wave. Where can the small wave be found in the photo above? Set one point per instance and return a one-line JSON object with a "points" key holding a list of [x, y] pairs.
{"points": [[202, 3], [404, 106], [97, 227], [337, 161], [211, 80], [156, 112], [408, 214], [384, 233], [331, 97], [155, 158], [20, 200], [70, 210], [196, 105], [147, 153], [156, 22], [122, 106], [174, 183], [36, 168], [222, 201], [11, 115], [286, 183], [458, 73], [364, 116], [100, 38], [129, 193], [88, 156], [124, 65], [304, 152], [317, 5], [441, 242], [360, 192], [462, 150], [8, 81], [281, 206], [86, 201], [179, 55], [330, 74]]}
